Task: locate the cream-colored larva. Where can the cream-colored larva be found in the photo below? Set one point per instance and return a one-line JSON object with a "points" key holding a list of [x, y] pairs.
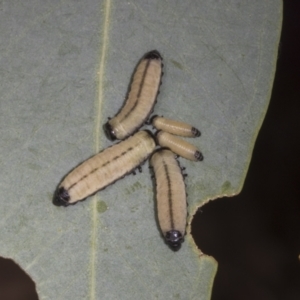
{"points": [[170, 197], [104, 168], [174, 127], [178, 146], [141, 98]]}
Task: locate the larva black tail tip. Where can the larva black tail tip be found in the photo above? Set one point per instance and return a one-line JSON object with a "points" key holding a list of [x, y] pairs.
{"points": [[154, 54], [156, 134], [199, 156], [61, 197], [152, 119], [196, 132], [109, 132], [174, 239]]}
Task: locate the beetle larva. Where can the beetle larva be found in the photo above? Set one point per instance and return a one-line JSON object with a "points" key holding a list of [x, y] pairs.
{"points": [[170, 197], [174, 127], [140, 100], [178, 146], [104, 168]]}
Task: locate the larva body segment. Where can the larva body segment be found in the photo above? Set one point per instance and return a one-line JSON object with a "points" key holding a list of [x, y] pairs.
{"points": [[104, 168], [175, 127], [170, 197], [178, 146], [141, 98]]}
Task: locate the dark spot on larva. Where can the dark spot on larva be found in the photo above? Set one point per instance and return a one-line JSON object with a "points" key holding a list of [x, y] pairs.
{"points": [[93, 171], [61, 197], [105, 164], [198, 155], [174, 239], [109, 132], [154, 54], [195, 132]]}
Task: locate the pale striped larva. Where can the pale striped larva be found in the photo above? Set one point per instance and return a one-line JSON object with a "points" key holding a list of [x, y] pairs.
{"points": [[170, 197], [178, 146], [104, 168], [140, 100], [174, 127]]}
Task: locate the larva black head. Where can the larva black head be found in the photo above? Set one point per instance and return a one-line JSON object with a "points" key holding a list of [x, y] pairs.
{"points": [[61, 197], [154, 54], [174, 239], [195, 132], [109, 132], [198, 155]]}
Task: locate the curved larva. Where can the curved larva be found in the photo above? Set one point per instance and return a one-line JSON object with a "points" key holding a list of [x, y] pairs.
{"points": [[104, 168], [178, 146], [141, 98], [174, 127], [170, 197]]}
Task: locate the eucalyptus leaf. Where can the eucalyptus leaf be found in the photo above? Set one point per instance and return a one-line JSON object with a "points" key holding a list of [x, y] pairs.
{"points": [[65, 67]]}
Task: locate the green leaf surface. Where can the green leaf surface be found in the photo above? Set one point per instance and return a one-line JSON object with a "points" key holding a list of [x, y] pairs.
{"points": [[65, 67]]}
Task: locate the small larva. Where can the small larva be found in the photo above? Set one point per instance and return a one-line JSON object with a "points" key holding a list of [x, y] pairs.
{"points": [[178, 146], [174, 127], [170, 197], [104, 168], [141, 98]]}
